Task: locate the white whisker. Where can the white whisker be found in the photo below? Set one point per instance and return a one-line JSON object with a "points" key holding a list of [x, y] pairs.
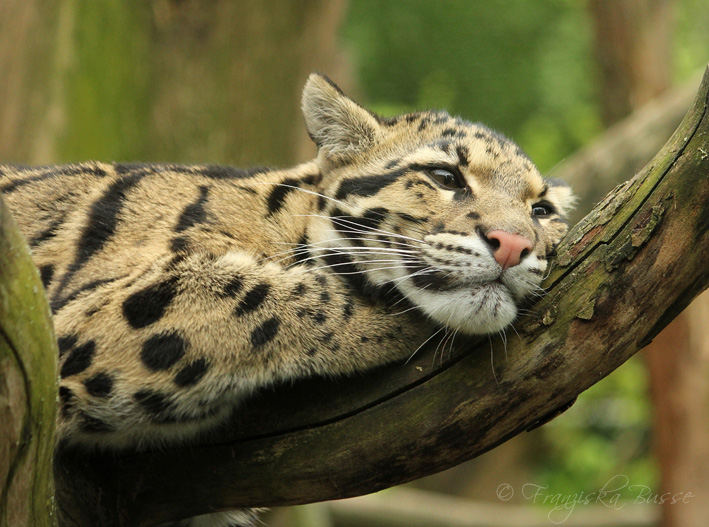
{"points": [[422, 345], [372, 229]]}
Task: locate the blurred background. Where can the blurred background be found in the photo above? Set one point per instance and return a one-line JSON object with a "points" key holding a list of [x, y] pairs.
{"points": [[590, 89]]}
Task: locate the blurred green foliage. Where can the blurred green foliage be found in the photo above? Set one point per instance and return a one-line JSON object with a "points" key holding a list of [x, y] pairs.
{"points": [[525, 68]]}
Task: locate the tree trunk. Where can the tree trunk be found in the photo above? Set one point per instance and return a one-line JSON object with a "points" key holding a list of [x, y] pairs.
{"points": [[633, 51], [28, 62], [28, 386], [167, 80], [621, 275], [228, 77]]}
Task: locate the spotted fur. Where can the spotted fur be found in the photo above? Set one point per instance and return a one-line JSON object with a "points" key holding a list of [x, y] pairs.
{"points": [[179, 290]]}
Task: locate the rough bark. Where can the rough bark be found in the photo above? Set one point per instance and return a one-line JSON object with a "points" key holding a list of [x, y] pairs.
{"points": [[621, 275], [28, 389]]}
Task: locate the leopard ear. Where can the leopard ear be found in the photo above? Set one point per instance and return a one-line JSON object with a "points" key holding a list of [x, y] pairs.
{"points": [[340, 127], [561, 195]]}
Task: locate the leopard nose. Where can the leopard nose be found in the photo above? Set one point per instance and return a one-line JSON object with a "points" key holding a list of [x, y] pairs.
{"points": [[507, 248]]}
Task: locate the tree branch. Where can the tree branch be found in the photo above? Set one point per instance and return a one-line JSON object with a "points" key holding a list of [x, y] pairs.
{"points": [[28, 386], [621, 275]]}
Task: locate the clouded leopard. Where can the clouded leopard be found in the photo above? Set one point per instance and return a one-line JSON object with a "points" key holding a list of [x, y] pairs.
{"points": [[178, 290]]}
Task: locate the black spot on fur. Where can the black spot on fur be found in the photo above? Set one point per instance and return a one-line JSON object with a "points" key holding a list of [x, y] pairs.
{"points": [[463, 194], [324, 297], [46, 272], [191, 374], [66, 396], [438, 227], [194, 213], [473, 215], [253, 299], [232, 287], [79, 359], [162, 351], [448, 132], [148, 305], [265, 332], [445, 146], [319, 318], [89, 423], [322, 202], [311, 179], [153, 402], [278, 195], [65, 343], [463, 153], [302, 254], [348, 310], [431, 281], [327, 337], [99, 385], [300, 289]]}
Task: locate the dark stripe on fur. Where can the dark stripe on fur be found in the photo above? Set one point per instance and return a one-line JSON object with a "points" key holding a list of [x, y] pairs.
{"points": [[367, 185], [194, 213], [278, 195], [101, 224]]}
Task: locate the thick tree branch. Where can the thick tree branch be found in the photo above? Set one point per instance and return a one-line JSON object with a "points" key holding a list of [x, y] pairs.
{"points": [[621, 275], [28, 386]]}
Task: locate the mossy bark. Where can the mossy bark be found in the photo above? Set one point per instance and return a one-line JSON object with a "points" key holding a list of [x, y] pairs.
{"points": [[621, 275], [28, 386]]}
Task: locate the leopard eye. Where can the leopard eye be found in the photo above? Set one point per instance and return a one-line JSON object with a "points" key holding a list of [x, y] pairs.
{"points": [[542, 209], [445, 178]]}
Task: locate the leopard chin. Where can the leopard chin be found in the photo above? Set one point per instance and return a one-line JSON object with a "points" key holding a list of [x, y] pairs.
{"points": [[480, 310]]}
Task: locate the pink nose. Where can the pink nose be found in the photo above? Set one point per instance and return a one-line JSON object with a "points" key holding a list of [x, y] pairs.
{"points": [[507, 248]]}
